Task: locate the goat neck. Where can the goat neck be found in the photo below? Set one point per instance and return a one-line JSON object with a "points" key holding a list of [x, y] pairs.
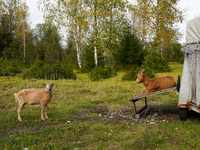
{"points": [[49, 94], [146, 80]]}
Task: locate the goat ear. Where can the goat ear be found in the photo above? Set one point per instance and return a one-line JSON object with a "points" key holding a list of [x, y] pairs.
{"points": [[43, 84], [52, 84], [136, 75]]}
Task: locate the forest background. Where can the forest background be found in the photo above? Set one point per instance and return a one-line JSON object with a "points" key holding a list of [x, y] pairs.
{"points": [[94, 36]]}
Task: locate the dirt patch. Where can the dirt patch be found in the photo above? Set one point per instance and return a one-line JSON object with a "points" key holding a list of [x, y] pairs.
{"points": [[18, 130], [125, 115], [162, 115]]}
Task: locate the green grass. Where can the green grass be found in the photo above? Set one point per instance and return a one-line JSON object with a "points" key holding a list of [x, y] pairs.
{"points": [[80, 117]]}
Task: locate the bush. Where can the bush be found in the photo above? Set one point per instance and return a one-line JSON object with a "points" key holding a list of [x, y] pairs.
{"points": [[62, 72], [41, 70], [130, 75], [10, 67], [99, 73], [156, 63]]}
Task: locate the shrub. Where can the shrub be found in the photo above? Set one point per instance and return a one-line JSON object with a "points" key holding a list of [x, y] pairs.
{"points": [[10, 67], [41, 70], [99, 73], [62, 72], [156, 63], [130, 75]]}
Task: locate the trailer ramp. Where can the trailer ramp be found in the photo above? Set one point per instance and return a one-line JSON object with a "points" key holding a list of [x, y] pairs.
{"points": [[144, 110]]}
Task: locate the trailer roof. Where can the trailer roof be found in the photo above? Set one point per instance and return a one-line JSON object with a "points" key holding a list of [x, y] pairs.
{"points": [[193, 30]]}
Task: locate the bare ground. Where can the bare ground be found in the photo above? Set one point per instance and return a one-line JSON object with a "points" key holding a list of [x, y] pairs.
{"points": [[126, 115]]}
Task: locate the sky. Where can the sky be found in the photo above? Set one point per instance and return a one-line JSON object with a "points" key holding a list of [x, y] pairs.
{"points": [[36, 16]]}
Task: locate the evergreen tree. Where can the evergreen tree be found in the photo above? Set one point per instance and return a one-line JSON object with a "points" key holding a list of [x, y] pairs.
{"points": [[131, 52], [7, 28], [48, 44], [175, 54], [155, 62], [69, 56]]}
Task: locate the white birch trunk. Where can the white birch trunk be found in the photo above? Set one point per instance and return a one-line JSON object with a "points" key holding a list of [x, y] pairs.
{"points": [[95, 54], [24, 48], [161, 51], [78, 49], [78, 54]]}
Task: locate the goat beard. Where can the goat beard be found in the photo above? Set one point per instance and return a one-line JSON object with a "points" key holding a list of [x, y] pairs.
{"points": [[137, 81]]}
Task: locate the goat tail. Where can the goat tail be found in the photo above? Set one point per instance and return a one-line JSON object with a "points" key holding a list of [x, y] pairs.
{"points": [[16, 98]]}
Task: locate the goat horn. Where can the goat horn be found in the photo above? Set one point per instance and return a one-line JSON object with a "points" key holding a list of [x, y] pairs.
{"points": [[142, 70]]}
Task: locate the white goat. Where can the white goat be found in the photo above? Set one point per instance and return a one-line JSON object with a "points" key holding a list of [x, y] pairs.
{"points": [[34, 97]]}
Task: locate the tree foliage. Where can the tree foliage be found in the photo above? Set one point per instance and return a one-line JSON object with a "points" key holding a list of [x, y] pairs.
{"points": [[99, 21], [23, 28], [90, 35], [47, 40], [156, 21], [71, 15], [8, 24], [131, 52], [156, 63]]}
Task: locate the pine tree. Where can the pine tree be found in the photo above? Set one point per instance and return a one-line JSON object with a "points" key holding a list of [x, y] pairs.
{"points": [[131, 52]]}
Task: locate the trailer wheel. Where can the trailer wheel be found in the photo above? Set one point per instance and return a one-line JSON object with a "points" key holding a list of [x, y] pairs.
{"points": [[183, 114]]}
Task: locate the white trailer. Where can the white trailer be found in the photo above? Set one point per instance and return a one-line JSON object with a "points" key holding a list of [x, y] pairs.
{"points": [[189, 96]]}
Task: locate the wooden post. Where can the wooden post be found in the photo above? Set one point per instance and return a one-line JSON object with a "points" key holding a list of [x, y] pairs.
{"points": [[146, 102]]}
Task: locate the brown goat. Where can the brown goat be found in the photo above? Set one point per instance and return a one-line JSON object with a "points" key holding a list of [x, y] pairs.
{"points": [[155, 84], [34, 97]]}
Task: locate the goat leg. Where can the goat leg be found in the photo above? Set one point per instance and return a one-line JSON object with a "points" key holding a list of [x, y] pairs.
{"points": [[21, 105], [140, 93], [145, 92], [42, 111], [46, 112]]}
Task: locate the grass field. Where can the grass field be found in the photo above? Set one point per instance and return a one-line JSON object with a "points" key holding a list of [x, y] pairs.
{"points": [[95, 115]]}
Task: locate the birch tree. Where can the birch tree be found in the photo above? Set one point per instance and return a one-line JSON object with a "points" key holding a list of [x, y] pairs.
{"points": [[166, 15], [157, 20], [96, 13], [141, 19], [23, 27], [70, 15], [115, 21]]}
